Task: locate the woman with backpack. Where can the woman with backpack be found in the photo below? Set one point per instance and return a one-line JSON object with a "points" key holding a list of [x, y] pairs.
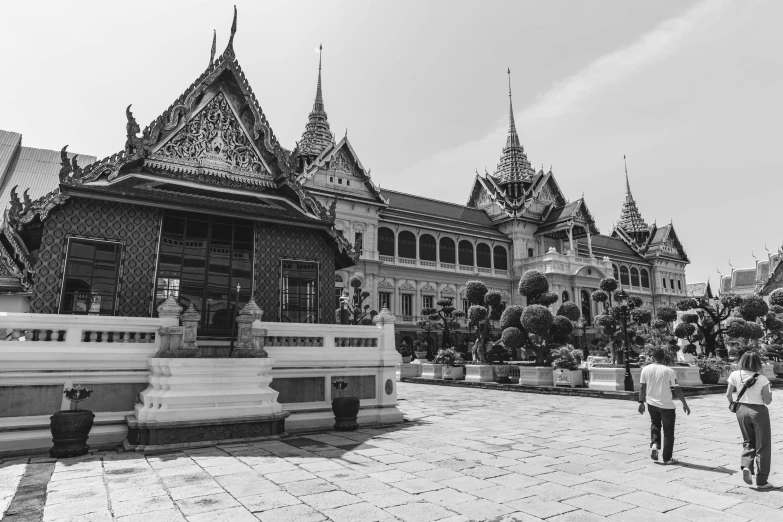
{"points": [[753, 395]]}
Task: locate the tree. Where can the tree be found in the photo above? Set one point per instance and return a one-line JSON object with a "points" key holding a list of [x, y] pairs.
{"points": [[360, 313], [486, 306], [445, 318]]}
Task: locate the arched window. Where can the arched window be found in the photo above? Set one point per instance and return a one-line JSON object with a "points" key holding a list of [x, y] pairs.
{"points": [[586, 315], [385, 241], [483, 256], [447, 251], [634, 277], [645, 279], [501, 258], [616, 273], [406, 245], [427, 247], [466, 253], [624, 276], [566, 297]]}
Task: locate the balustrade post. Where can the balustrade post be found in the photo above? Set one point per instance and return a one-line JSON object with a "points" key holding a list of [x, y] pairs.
{"points": [[189, 321], [247, 317], [257, 335]]}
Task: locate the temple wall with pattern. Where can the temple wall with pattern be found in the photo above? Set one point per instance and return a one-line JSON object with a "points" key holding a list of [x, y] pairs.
{"points": [[135, 226], [276, 242]]}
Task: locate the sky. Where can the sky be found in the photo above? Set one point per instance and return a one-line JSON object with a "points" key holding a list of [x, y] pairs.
{"points": [[688, 90]]}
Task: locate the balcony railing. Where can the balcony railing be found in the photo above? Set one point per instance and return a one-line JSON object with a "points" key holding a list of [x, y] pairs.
{"points": [[420, 263]]}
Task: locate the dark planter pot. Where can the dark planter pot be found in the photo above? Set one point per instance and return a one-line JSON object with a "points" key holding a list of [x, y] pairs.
{"points": [[345, 409], [70, 430], [710, 377]]}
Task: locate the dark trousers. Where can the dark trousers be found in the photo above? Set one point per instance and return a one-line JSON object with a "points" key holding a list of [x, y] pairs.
{"points": [[757, 439], [658, 417]]}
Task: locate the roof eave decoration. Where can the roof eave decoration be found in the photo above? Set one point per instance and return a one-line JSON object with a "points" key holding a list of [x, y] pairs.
{"points": [[138, 149], [514, 207]]}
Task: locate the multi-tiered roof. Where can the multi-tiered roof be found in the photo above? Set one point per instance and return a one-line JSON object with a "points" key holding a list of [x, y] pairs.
{"points": [[317, 135], [513, 166]]}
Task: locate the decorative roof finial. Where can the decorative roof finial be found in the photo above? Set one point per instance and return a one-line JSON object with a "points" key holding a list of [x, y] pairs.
{"points": [[214, 43], [630, 218], [627, 184], [753, 255], [230, 46]]}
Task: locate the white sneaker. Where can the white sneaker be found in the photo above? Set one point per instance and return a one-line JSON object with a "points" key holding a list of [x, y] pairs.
{"points": [[654, 452]]}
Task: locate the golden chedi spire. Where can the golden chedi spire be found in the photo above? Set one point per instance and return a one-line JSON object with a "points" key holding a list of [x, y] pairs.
{"points": [[317, 135], [513, 165]]}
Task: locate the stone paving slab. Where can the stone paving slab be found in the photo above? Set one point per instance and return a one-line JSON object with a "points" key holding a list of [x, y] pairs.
{"points": [[464, 454]]}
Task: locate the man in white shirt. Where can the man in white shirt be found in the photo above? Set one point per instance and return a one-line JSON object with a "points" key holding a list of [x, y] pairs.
{"points": [[659, 382]]}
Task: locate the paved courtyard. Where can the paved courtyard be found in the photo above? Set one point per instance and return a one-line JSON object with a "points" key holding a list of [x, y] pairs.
{"points": [[464, 454]]}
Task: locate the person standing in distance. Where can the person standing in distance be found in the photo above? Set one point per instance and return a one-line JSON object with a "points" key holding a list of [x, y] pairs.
{"points": [[659, 383], [753, 418]]}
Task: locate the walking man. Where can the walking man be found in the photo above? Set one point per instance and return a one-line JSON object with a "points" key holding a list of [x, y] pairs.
{"points": [[659, 383]]}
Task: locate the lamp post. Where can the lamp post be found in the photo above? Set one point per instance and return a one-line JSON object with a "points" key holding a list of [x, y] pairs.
{"points": [[622, 305]]}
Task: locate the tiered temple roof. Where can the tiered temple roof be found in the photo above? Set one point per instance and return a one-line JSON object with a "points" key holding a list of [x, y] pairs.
{"points": [[631, 220], [317, 135], [513, 165]]}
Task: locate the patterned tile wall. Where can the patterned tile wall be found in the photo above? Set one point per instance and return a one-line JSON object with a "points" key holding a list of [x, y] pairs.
{"points": [[276, 242], [135, 226]]}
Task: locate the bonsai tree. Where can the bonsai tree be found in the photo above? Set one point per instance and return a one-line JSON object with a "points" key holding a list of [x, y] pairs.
{"points": [[566, 358], [360, 313], [713, 315], [611, 319], [513, 336], [445, 318], [481, 315], [448, 356]]}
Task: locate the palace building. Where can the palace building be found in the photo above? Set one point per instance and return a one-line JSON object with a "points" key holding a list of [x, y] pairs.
{"points": [[762, 279], [205, 198]]}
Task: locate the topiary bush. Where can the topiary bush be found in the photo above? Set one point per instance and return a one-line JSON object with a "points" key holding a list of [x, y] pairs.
{"points": [[511, 317], [690, 317], [753, 307], [754, 331], [684, 330], [599, 296], [533, 283], [666, 314], [537, 319], [475, 292], [608, 285], [476, 314], [735, 327], [776, 297], [512, 338], [561, 327], [641, 315], [570, 311]]}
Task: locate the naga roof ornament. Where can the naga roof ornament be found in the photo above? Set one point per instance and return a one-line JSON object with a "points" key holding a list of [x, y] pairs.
{"points": [[513, 165], [317, 135], [631, 220]]}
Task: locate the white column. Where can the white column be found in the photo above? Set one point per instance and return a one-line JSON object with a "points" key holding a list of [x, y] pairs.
{"points": [[589, 242], [571, 239]]}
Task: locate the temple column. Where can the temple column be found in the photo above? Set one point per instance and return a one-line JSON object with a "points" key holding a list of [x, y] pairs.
{"points": [[571, 239]]}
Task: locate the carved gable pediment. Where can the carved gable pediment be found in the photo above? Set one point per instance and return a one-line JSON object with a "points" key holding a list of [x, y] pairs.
{"points": [[213, 142]]}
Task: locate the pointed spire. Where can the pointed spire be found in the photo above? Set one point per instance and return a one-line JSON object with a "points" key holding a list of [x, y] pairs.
{"points": [[631, 220], [514, 165], [214, 43], [229, 52], [317, 135]]}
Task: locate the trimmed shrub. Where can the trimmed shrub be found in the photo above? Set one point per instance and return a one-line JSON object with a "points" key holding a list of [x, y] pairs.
{"points": [[569, 310], [476, 314], [537, 319], [753, 307], [547, 298], [599, 296], [493, 299], [512, 338], [735, 327], [561, 326], [608, 285], [511, 317], [666, 314], [475, 292], [533, 283], [754, 331], [776, 297], [690, 317], [684, 330]]}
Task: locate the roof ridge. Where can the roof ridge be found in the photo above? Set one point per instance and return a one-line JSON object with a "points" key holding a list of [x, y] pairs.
{"points": [[460, 205]]}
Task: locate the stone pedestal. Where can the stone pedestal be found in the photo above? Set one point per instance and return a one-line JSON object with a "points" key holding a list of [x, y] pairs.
{"points": [[408, 370], [613, 379], [201, 400], [453, 373], [479, 373], [572, 378], [687, 376], [536, 376], [432, 371]]}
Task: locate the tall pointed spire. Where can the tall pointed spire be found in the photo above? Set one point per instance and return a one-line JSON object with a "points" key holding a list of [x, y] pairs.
{"points": [[631, 220], [514, 165], [317, 135], [214, 43]]}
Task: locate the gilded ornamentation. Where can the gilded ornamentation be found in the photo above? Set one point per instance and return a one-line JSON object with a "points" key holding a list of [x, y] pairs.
{"points": [[213, 140]]}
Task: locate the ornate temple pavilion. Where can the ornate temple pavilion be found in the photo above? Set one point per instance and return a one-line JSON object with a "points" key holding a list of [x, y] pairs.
{"points": [[204, 205]]}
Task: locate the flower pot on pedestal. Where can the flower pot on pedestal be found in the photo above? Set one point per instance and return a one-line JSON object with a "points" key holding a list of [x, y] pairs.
{"points": [[421, 355], [346, 410], [71, 428], [501, 373], [406, 359], [710, 377], [564, 377], [453, 373]]}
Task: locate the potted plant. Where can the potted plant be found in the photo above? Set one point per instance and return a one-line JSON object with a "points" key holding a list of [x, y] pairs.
{"points": [[451, 361], [499, 356], [419, 350], [565, 362], [405, 352], [711, 368], [345, 409], [71, 428]]}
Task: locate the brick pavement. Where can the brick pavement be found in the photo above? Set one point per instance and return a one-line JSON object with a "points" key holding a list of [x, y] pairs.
{"points": [[464, 455]]}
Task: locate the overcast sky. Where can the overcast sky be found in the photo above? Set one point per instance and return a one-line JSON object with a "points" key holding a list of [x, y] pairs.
{"points": [[690, 91]]}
